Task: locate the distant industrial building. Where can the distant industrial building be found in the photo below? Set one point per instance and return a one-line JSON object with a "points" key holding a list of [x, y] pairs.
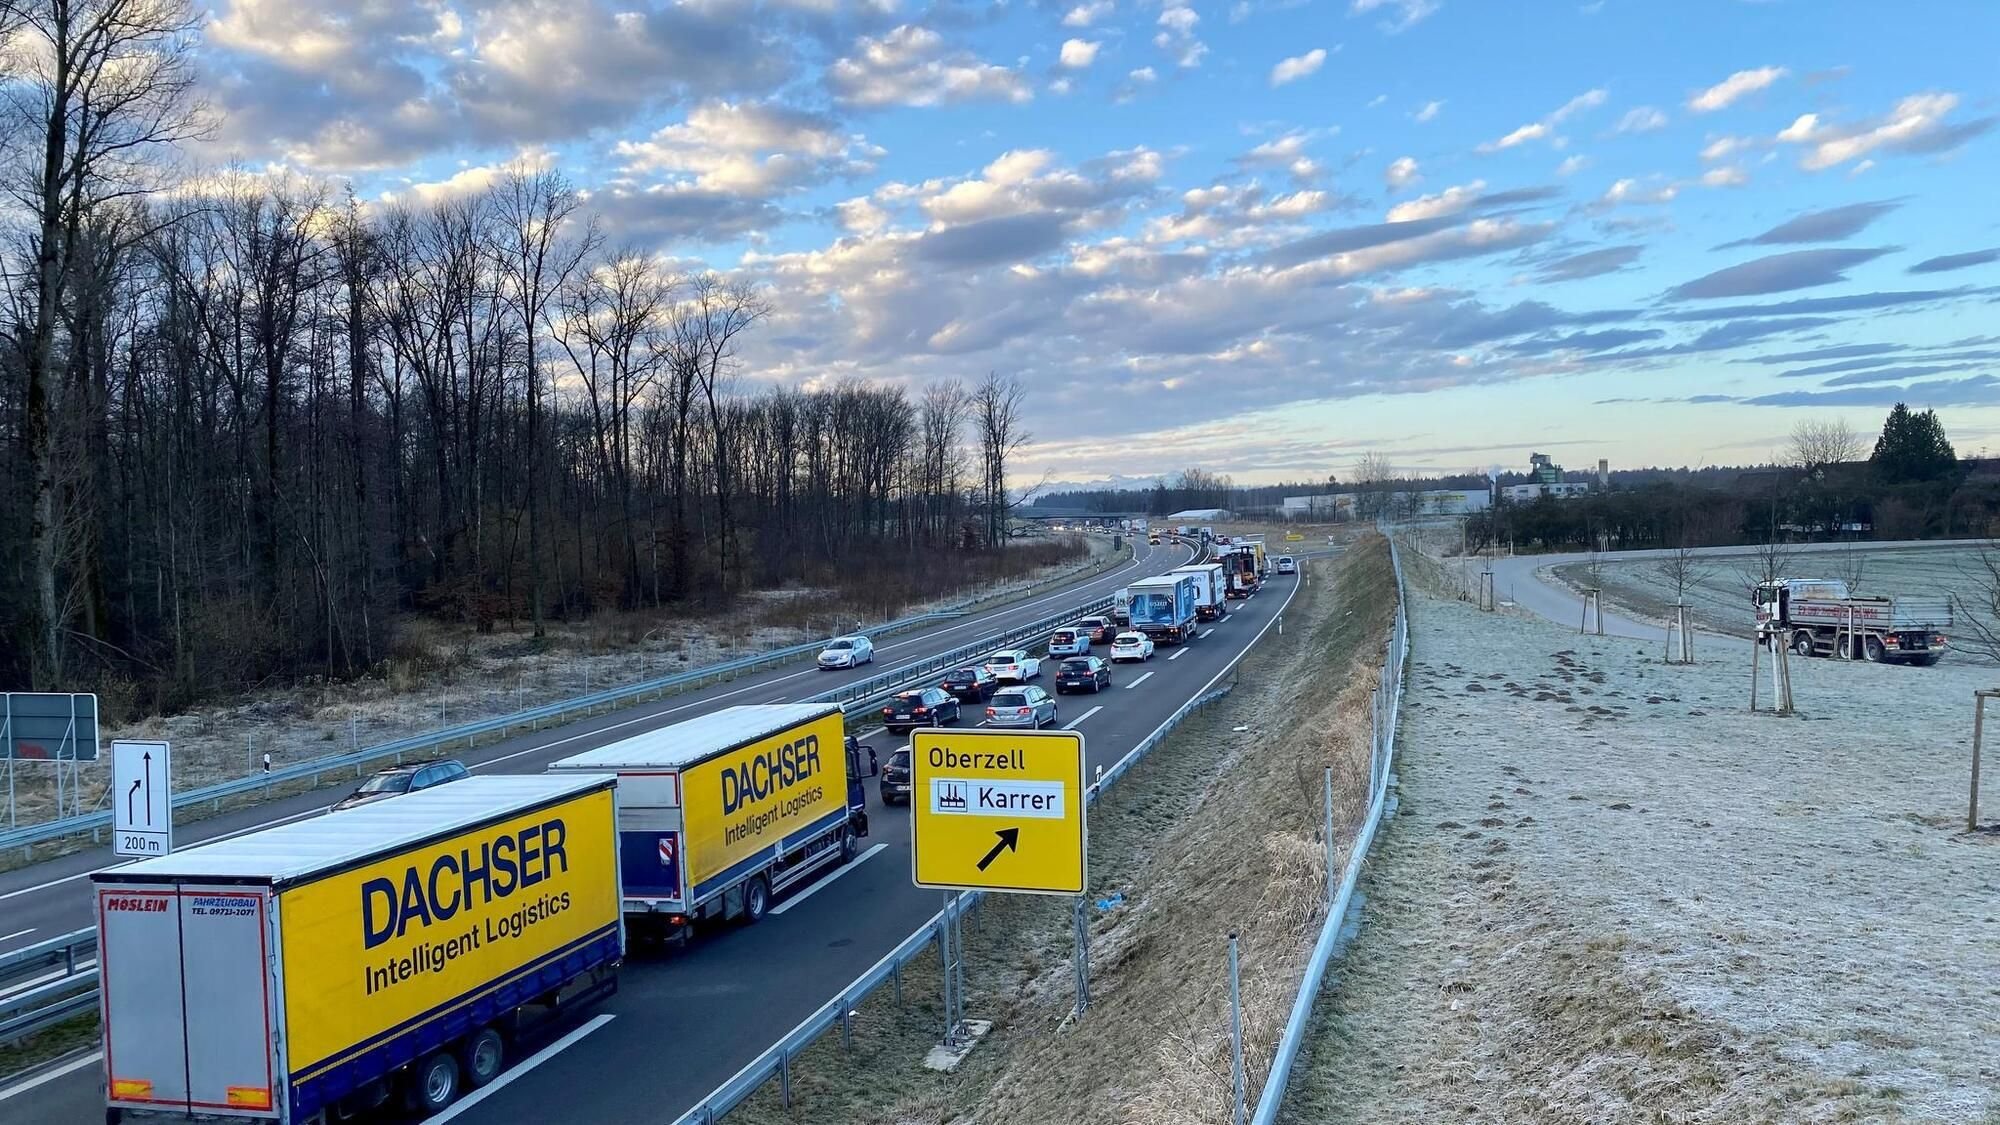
{"points": [[1197, 515]]}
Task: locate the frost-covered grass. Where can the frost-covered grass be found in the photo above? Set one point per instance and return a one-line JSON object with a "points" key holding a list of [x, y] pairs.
{"points": [[1613, 894]]}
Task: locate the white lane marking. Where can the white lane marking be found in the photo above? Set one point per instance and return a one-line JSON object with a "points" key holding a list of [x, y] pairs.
{"points": [[1206, 632], [830, 876], [779, 699], [1141, 679], [51, 1076], [1178, 655], [18, 933], [1071, 725], [523, 1067]]}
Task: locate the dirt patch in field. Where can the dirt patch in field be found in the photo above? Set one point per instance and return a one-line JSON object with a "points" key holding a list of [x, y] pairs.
{"points": [[1611, 893]]}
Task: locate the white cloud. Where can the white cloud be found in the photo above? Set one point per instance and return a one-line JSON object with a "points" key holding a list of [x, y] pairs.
{"points": [[1408, 13], [1720, 95], [1635, 191], [1176, 35], [1377, 101], [1083, 15], [1143, 74], [1571, 165], [1078, 53], [912, 66], [1545, 129], [1534, 131], [1722, 147], [1589, 99], [1642, 119], [1402, 172], [1450, 201], [1429, 112], [1298, 66], [750, 149], [1726, 176], [1916, 125], [862, 217]]}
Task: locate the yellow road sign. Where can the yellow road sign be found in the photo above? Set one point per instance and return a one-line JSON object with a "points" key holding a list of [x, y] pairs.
{"points": [[998, 810], [1294, 536]]}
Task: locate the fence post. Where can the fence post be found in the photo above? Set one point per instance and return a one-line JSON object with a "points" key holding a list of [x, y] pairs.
{"points": [[1235, 1036]]}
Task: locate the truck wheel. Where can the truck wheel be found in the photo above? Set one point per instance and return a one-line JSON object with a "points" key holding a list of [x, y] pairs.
{"points": [[434, 1084], [756, 901], [1874, 650], [847, 846], [485, 1054], [1802, 643]]}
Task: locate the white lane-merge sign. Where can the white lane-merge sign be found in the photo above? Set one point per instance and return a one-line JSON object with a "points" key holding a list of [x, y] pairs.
{"points": [[142, 807]]}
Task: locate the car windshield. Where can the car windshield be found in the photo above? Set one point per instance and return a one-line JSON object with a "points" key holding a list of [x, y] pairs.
{"points": [[840, 644], [387, 783], [1064, 636], [1076, 665], [1011, 699], [1129, 638], [1003, 658], [910, 697], [900, 759], [962, 674]]}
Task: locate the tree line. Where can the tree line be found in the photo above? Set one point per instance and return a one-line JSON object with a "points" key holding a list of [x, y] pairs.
{"points": [[251, 419]]}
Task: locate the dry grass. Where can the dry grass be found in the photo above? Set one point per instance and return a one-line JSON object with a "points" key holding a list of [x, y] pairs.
{"points": [[1216, 831]]}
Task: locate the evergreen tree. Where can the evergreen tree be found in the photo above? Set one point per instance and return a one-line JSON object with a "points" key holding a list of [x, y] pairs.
{"points": [[1912, 448]]}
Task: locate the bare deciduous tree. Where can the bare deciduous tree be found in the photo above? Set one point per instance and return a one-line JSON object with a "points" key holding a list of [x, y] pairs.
{"points": [[996, 404], [94, 90], [1819, 442]]}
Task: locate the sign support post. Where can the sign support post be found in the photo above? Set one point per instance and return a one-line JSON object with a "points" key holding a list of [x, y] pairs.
{"points": [[1082, 916]]}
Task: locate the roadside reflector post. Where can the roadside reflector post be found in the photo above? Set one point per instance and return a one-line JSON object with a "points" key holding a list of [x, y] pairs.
{"points": [[1235, 1035], [1082, 922]]}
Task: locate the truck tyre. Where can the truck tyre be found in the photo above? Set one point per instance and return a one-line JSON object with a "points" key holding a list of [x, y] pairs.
{"points": [[484, 1056], [1802, 643], [756, 901], [847, 846], [1874, 650], [434, 1084]]}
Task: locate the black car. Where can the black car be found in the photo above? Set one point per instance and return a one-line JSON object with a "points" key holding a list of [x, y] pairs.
{"points": [[926, 707], [896, 778], [970, 685], [398, 780], [1082, 673]]}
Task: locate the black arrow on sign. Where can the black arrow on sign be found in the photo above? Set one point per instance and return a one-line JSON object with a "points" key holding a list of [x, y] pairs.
{"points": [[149, 788], [129, 794], [1010, 840]]}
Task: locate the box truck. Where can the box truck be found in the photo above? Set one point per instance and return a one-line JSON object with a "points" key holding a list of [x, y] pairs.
{"points": [[323, 968], [1239, 566], [720, 814], [1163, 607], [1211, 589]]}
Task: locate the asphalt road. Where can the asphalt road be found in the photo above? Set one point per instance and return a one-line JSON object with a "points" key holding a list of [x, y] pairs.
{"points": [[1521, 580], [52, 898], [682, 1022], [49, 899]]}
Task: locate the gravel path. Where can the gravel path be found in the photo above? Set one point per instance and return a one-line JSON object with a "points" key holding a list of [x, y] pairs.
{"points": [[1613, 894]]}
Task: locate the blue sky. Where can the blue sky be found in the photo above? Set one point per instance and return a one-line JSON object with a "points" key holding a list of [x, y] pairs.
{"points": [[1260, 237]]}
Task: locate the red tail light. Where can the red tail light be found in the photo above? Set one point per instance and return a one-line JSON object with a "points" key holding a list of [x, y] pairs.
{"points": [[888, 710], [920, 711], [990, 712]]}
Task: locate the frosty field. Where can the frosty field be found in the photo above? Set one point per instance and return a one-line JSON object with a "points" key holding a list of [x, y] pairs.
{"points": [[1614, 894], [1720, 595]]}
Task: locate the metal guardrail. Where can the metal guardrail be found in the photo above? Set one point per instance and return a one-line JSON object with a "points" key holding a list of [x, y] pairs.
{"points": [[1381, 758], [30, 1010], [610, 699], [46, 983], [776, 1061]]}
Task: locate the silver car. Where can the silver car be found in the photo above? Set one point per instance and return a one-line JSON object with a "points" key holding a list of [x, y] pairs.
{"points": [[1026, 706]]}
